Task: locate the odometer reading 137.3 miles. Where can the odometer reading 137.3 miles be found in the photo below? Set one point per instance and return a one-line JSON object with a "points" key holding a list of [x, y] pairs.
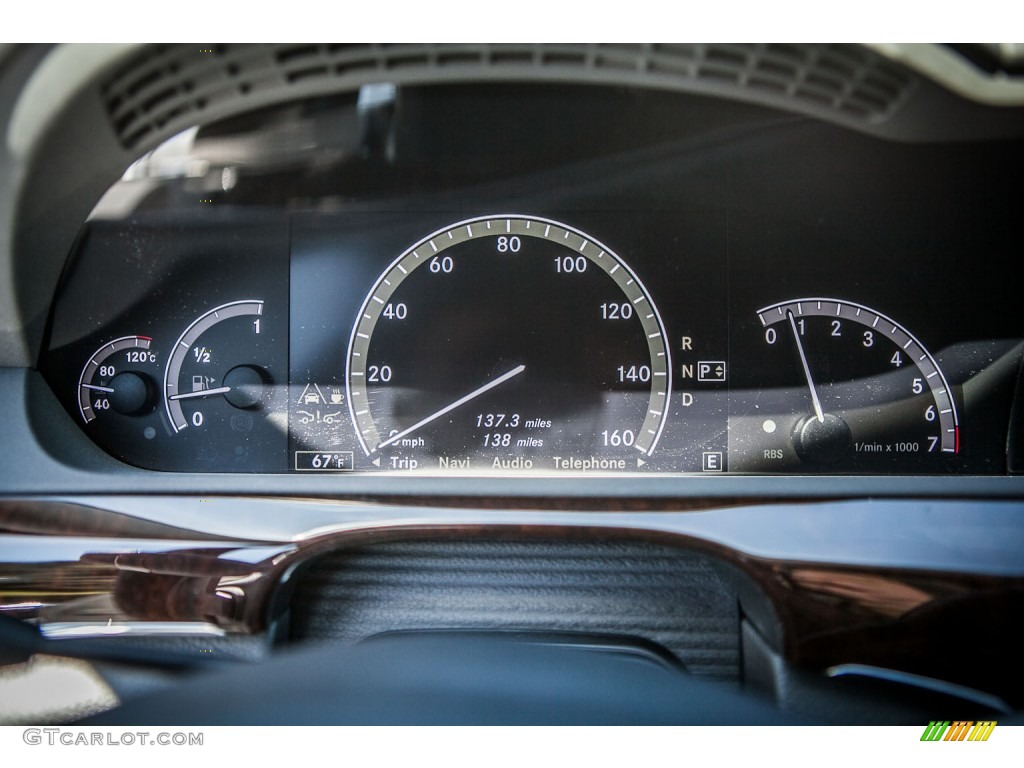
{"points": [[508, 343]]}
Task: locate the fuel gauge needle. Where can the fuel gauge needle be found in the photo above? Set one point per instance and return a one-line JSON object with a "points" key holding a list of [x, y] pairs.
{"points": [[807, 370], [201, 393], [461, 401]]}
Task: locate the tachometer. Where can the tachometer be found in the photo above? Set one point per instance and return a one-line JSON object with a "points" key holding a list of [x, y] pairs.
{"points": [[841, 387], [508, 342]]}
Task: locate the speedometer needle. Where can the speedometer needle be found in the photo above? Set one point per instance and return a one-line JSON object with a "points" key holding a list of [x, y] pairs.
{"points": [[807, 370], [461, 401], [201, 393]]}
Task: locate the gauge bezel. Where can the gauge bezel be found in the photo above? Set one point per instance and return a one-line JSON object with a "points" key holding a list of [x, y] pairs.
{"points": [[949, 422], [96, 360], [510, 224], [198, 327]]}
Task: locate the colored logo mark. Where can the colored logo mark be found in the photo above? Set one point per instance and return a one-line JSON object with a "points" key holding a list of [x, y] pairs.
{"points": [[958, 730]]}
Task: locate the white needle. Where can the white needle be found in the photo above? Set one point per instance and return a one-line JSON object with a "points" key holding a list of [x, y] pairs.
{"points": [[98, 388], [461, 401], [807, 370], [201, 393]]}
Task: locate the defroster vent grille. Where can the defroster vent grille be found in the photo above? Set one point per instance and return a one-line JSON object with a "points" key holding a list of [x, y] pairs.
{"points": [[166, 88]]}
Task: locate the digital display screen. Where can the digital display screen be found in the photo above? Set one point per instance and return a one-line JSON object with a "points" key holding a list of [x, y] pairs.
{"points": [[510, 342]]}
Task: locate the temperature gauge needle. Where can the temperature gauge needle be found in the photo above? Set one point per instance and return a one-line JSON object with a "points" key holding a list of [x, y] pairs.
{"points": [[201, 393], [461, 401], [807, 370]]}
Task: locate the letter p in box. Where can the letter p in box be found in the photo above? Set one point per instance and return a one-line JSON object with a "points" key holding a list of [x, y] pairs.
{"points": [[711, 370]]}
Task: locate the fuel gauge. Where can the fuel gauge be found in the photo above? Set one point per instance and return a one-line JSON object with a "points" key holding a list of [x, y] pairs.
{"points": [[223, 395]]}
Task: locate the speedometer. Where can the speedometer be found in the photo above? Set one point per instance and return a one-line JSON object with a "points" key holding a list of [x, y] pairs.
{"points": [[508, 342]]}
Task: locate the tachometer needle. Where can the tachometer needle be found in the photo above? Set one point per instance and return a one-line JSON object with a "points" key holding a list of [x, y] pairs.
{"points": [[461, 401], [201, 393], [807, 370]]}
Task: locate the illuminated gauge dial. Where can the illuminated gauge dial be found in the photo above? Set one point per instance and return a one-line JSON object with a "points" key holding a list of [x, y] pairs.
{"points": [[219, 388], [840, 388], [508, 342], [118, 380]]}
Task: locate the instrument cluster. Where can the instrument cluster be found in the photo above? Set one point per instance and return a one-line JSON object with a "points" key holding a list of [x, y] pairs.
{"points": [[736, 291]]}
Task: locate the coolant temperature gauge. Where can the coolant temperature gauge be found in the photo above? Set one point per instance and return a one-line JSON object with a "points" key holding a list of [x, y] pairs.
{"points": [[119, 378]]}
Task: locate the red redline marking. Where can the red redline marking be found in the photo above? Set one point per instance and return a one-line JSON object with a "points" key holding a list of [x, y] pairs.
{"points": [[147, 338], [956, 440]]}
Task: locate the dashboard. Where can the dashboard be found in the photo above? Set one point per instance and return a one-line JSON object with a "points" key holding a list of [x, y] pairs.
{"points": [[702, 356]]}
